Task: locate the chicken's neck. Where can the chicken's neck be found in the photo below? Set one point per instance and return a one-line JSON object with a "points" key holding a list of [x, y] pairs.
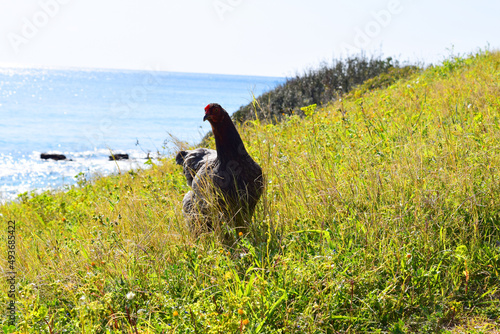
{"points": [[228, 142]]}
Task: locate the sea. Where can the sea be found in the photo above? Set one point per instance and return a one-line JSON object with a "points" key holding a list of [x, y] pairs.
{"points": [[88, 115]]}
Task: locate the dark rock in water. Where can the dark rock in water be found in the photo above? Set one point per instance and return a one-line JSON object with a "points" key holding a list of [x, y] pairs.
{"points": [[119, 156], [51, 156]]}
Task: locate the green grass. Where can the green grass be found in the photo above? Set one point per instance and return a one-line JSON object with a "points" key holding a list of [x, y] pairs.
{"points": [[381, 214]]}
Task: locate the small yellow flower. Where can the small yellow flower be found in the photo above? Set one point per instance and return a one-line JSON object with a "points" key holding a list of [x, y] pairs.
{"points": [[241, 312], [63, 219], [245, 322], [240, 234], [175, 314]]}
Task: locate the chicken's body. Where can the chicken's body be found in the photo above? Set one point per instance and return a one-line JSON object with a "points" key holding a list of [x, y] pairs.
{"points": [[226, 183]]}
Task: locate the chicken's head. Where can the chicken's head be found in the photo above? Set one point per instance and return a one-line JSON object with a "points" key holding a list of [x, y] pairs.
{"points": [[214, 113]]}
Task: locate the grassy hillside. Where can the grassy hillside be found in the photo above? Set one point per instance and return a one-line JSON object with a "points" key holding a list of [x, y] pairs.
{"points": [[381, 214], [322, 86]]}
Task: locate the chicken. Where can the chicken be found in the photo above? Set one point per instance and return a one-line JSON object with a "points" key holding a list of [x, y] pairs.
{"points": [[226, 183]]}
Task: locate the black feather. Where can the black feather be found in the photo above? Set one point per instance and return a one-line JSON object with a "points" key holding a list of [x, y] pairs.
{"points": [[227, 180]]}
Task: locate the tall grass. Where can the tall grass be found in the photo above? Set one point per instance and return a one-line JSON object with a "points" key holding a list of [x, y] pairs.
{"points": [[380, 214]]}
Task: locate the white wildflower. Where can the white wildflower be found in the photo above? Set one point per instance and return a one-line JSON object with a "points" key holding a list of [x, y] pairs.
{"points": [[130, 295]]}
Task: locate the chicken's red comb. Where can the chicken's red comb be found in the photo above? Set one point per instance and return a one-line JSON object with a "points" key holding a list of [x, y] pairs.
{"points": [[207, 108]]}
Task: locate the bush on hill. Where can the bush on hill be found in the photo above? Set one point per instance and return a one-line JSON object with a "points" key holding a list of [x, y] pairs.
{"points": [[323, 85]]}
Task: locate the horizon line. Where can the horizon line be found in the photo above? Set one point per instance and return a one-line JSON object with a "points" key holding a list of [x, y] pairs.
{"points": [[11, 66]]}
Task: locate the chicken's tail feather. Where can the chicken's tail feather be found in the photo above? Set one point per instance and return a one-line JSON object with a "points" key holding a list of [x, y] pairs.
{"points": [[181, 157]]}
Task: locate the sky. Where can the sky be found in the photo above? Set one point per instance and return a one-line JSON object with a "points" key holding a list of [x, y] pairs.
{"points": [[245, 37]]}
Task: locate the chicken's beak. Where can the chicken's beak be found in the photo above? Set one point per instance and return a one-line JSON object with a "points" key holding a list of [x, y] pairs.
{"points": [[207, 117]]}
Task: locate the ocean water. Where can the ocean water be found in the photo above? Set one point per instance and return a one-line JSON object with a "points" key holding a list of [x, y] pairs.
{"points": [[86, 114]]}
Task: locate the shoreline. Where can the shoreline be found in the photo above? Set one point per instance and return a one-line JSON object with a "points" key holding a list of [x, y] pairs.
{"points": [[32, 174]]}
